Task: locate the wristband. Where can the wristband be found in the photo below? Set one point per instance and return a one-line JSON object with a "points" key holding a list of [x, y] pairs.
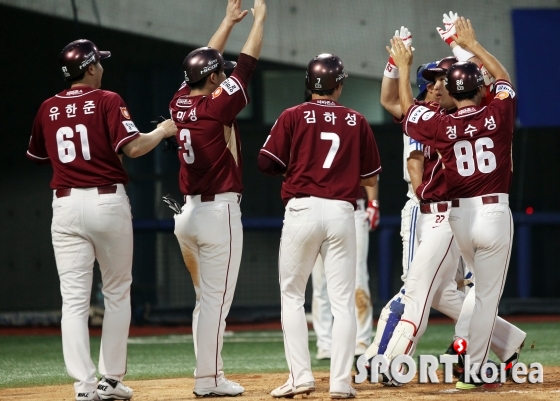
{"points": [[391, 70], [461, 54]]}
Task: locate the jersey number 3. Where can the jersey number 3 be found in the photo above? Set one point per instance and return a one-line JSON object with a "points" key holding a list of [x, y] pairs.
{"points": [[188, 156]]}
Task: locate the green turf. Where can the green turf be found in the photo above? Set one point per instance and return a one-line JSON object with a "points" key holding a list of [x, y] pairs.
{"points": [[37, 360]]}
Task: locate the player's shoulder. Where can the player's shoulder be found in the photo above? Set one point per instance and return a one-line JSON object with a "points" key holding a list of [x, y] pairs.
{"points": [[503, 89]]}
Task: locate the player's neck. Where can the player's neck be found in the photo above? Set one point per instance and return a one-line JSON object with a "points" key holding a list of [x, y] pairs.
{"points": [[319, 97], [465, 103]]}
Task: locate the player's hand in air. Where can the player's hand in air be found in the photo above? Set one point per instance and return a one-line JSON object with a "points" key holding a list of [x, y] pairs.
{"points": [[169, 127], [466, 37], [448, 30], [391, 70], [401, 54], [259, 10], [233, 11], [372, 211]]}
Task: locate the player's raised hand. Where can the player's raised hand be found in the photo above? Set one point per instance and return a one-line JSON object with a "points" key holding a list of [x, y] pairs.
{"points": [[406, 36], [448, 30], [466, 37], [259, 10], [401, 54], [169, 127], [233, 11]]}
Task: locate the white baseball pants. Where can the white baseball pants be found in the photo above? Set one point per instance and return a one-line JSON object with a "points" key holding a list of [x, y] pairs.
{"points": [[321, 307], [210, 235], [314, 226], [431, 282], [86, 226], [483, 229], [409, 221]]}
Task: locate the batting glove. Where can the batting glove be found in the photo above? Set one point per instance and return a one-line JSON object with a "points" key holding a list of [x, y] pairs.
{"points": [[391, 70], [448, 27], [373, 214], [173, 204]]}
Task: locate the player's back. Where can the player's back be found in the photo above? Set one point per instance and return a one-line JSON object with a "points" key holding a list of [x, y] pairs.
{"points": [[326, 152], [81, 130], [210, 157]]}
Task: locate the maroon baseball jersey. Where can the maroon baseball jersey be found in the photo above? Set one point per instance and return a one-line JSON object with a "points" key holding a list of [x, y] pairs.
{"points": [[474, 142], [209, 136], [432, 188], [81, 132], [326, 148]]}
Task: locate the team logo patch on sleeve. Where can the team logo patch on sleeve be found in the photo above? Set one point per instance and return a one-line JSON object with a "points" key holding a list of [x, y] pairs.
{"points": [[217, 92], [503, 91], [414, 117], [129, 126], [125, 113], [230, 86]]}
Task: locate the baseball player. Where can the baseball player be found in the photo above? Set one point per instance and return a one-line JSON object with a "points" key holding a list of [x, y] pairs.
{"points": [[475, 147], [325, 151], [431, 280], [83, 132], [209, 227], [366, 219]]}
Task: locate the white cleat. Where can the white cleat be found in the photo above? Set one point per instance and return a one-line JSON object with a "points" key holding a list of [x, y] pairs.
{"points": [[225, 389], [335, 395], [87, 396], [109, 389], [323, 354], [289, 391]]}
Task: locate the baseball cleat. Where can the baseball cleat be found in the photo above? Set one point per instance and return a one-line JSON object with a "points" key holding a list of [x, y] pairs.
{"points": [[512, 360], [459, 367], [87, 396], [323, 354], [462, 384], [336, 395], [225, 389], [289, 391], [109, 389]]}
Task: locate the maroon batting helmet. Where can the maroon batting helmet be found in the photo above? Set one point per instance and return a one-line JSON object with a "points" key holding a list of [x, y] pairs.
{"points": [[463, 77], [324, 72], [204, 61], [441, 68], [76, 56]]}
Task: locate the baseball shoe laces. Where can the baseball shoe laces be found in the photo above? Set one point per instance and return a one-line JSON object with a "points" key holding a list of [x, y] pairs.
{"points": [[110, 389], [225, 389], [288, 391]]}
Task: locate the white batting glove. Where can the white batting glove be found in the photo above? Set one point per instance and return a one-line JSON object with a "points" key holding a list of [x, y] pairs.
{"points": [[448, 30], [391, 69]]}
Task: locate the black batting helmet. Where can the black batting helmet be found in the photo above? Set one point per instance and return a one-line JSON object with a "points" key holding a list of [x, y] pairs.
{"points": [[441, 68], [324, 72], [204, 61], [463, 77], [76, 56]]}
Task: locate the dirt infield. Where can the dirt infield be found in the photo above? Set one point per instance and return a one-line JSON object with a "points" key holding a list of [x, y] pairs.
{"points": [[257, 387]]}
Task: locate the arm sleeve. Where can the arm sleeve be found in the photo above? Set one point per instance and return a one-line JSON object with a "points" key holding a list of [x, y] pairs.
{"points": [[504, 100], [369, 154], [231, 96], [278, 143], [37, 150], [121, 128], [269, 166], [420, 123]]}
